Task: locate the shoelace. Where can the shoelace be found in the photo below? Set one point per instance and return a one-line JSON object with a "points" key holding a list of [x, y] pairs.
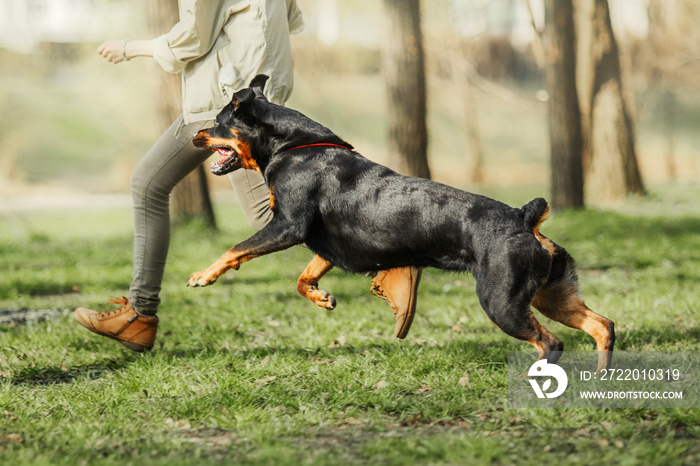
{"points": [[121, 301]]}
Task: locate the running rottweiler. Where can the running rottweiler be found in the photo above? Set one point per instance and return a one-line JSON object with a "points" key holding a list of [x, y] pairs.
{"points": [[364, 217]]}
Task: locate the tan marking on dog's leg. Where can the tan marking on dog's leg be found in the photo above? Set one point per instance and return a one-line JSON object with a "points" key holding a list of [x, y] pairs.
{"points": [[567, 307], [307, 285], [231, 259], [547, 345]]}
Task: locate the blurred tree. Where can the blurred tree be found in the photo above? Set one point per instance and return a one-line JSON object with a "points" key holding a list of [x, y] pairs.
{"points": [[671, 59], [559, 43], [404, 77], [610, 161], [190, 198]]}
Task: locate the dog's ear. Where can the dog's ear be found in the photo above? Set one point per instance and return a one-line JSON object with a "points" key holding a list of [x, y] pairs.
{"points": [[242, 98], [258, 83]]}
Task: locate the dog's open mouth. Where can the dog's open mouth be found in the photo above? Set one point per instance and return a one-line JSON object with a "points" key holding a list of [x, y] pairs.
{"points": [[227, 161]]}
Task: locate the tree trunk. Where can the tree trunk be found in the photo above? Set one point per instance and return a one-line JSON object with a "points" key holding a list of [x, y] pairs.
{"points": [[190, 198], [610, 161], [404, 77], [564, 114]]}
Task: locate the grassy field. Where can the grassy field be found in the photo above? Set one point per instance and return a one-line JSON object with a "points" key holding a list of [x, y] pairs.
{"points": [[247, 371]]}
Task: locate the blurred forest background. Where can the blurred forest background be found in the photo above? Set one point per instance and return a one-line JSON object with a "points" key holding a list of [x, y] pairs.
{"points": [[72, 124]]}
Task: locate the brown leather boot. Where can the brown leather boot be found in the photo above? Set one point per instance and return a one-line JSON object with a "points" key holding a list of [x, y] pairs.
{"points": [[399, 287], [133, 330]]}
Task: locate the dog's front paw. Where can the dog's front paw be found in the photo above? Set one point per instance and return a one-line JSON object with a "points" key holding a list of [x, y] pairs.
{"points": [[328, 300], [322, 298], [200, 279]]}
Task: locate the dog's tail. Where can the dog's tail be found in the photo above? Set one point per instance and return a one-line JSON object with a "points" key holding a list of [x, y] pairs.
{"points": [[534, 213]]}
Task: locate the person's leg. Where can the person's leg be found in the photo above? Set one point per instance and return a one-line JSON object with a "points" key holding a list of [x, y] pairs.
{"points": [[253, 196], [170, 159]]}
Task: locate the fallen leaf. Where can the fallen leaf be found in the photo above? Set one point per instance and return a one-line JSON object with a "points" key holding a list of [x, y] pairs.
{"points": [[266, 380], [178, 423], [464, 381], [382, 384], [338, 342], [413, 420], [603, 442], [14, 438]]}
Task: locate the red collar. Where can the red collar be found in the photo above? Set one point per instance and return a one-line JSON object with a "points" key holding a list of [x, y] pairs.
{"points": [[320, 144]]}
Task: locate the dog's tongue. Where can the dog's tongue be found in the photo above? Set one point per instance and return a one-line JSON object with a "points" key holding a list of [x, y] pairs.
{"points": [[225, 154]]}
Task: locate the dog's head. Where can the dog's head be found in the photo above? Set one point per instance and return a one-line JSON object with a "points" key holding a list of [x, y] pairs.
{"points": [[234, 131], [250, 131]]}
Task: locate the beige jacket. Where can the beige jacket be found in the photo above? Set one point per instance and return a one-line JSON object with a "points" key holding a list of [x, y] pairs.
{"points": [[220, 45]]}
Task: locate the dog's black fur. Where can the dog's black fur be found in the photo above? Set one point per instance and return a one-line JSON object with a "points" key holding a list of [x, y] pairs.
{"points": [[363, 217]]}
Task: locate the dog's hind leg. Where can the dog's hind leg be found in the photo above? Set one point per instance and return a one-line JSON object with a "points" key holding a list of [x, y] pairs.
{"points": [[559, 299], [505, 290], [307, 285], [567, 307], [519, 322]]}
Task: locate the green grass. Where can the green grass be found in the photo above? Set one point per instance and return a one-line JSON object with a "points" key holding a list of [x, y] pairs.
{"points": [[246, 371]]}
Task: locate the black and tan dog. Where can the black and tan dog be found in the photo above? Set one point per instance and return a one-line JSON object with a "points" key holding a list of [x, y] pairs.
{"points": [[363, 217]]}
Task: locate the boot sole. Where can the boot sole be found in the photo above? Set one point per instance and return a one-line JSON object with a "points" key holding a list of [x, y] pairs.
{"points": [[402, 332]]}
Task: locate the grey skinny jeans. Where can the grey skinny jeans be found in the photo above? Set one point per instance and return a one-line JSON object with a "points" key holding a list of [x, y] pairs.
{"points": [[170, 159]]}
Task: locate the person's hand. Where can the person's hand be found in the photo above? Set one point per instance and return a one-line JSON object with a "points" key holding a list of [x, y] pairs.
{"points": [[113, 50]]}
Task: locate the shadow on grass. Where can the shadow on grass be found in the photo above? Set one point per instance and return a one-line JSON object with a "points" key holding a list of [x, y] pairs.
{"points": [[471, 349], [665, 338], [54, 375]]}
